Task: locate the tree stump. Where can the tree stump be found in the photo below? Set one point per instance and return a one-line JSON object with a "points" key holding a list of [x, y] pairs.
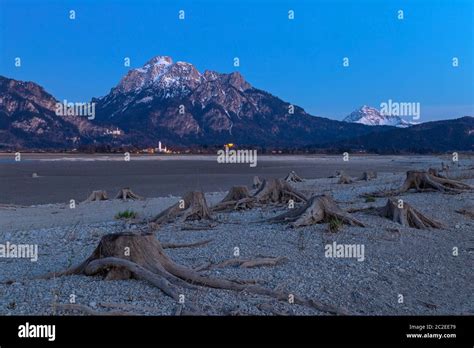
{"points": [[318, 209], [192, 206], [256, 182], [406, 215], [129, 255], [422, 181], [237, 198], [293, 177], [98, 195], [366, 176], [126, 193], [277, 191], [337, 174]]}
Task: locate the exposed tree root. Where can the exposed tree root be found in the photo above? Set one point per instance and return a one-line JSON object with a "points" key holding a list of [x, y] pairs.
{"points": [[246, 263], [126, 193], [198, 227], [468, 211], [98, 195], [129, 255], [423, 181], [238, 198], [193, 206], [293, 177], [404, 214], [318, 209], [277, 191], [185, 245]]}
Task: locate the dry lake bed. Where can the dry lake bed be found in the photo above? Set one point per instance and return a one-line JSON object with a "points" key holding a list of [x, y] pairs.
{"points": [[403, 270]]}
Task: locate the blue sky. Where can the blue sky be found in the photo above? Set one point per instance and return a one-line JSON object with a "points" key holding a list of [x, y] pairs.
{"points": [[298, 60]]}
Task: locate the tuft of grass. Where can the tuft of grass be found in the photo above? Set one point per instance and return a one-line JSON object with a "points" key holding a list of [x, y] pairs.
{"points": [[127, 214], [369, 199], [335, 225]]}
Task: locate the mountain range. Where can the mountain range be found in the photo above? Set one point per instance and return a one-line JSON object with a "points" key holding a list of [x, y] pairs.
{"points": [[174, 103]]}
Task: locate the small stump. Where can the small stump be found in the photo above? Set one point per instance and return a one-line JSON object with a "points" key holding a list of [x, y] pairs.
{"points": [[98, 195], [126, 193], [366, 176], [344, 179]]}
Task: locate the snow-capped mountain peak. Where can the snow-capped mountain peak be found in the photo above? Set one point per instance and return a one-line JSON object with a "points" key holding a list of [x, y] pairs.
{"points": [[370, 116], [161, 72], [159, 60]]}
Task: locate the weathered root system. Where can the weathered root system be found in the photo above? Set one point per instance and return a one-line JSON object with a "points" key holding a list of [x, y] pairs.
{"points": [[238, 198], [126, 193], [318, 209], [422, 181], [141, 256], [277, 191]]}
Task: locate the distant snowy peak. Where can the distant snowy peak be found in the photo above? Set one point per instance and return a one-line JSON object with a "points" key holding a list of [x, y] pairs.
{"points": [[370, 116], [160, 72]]}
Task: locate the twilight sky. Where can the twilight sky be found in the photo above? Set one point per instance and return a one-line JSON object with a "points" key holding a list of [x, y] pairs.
{"points": [[298, 60]]}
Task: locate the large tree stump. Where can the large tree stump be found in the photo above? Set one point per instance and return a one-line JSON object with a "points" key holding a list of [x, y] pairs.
{"points": [[318, 209], [277, 191], [293, 177], [98, 195], [237, 198], [141, 256], [126, 193], [404, 214], [192, 206]]}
